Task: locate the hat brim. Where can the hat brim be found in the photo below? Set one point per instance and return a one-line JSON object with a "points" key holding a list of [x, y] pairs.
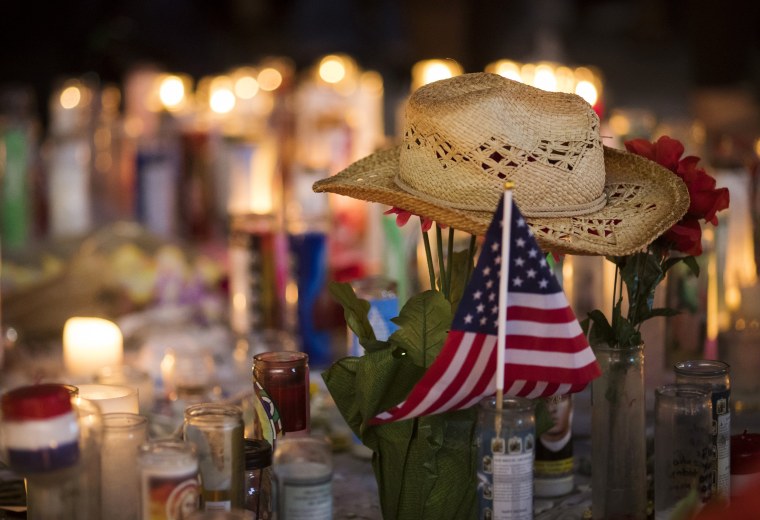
{"points": [[644, 200]]}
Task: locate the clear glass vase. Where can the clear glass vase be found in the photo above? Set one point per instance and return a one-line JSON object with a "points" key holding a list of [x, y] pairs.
{"points": [[618, 436]]}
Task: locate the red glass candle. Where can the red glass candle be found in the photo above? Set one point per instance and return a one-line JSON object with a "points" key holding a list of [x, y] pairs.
{"points": [[281, 382], [745, 462]]}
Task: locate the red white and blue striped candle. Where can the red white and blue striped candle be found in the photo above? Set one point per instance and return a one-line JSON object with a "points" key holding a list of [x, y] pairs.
{"points": [[39, 428]]}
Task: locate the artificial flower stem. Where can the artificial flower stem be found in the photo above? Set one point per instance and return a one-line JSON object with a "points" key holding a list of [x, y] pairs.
{"points": [[450, 260], [429, 256], [441, 265], [473, 239]]}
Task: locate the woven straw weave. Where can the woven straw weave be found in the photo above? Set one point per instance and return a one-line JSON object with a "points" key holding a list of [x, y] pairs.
{"points": [[466, 136]]}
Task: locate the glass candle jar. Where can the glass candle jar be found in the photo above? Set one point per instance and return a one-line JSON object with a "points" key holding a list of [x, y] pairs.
{"points": [[258, 478], [281, 383], [217, 432], [715, 374], [682, 445], [303, 471], [506, 442], [168, 479], [123, 433]]}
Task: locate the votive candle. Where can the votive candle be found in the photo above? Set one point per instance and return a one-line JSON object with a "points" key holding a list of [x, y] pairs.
{"points": [[111, 398], [90, 344]]}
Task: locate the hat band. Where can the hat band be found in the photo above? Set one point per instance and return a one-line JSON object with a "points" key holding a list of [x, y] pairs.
{"points": [[574, 210]]}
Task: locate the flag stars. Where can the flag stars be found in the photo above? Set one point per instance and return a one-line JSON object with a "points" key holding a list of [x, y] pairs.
{"points": [[543, 283], [494, 309], [483, 321], [480, 308], [542, 262], [519, 261], [520, 242], [517, 281], [489, 284], [468, 319], [531, 273], [533, 253], [497, 260], [495, 247], [520, 222], [486, 271], [491, 296], [476, 295]]}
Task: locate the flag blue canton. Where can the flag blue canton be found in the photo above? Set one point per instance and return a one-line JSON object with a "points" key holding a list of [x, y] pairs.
{"points": [[529, 272]]}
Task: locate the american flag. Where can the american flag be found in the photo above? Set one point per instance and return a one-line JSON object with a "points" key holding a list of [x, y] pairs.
{"points": [[546, 351]]}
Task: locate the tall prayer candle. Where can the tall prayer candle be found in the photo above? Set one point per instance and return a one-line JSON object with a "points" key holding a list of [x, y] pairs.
{"points": [[90, 344]]}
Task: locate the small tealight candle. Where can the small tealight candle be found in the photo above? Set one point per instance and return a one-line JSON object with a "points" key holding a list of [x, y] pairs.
{"points": [[90, 344], [111, 398]]}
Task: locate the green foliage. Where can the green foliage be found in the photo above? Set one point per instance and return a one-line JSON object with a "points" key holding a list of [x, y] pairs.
{"points": [[413, 460], [423, 324], [639, 274]]}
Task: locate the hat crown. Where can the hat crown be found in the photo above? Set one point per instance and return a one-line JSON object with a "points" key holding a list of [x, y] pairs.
{"points": [[464, 137]]}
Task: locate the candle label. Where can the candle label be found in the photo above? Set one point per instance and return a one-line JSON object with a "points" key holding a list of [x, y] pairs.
{"points": [[267, 415], [257, 274], [506, 478], [721, 401], [307, 501], [170, 497]]}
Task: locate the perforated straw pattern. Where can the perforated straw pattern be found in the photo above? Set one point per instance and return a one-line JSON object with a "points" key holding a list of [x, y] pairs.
{"points": [[468, 135]]}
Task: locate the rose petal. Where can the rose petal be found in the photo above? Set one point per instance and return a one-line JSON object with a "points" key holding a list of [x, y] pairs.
{"points": [[667, 152], [640, 147]]}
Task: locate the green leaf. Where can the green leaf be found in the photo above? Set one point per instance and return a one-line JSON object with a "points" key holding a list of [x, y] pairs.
{"points": [[601, 331], [461, 267], [423, 324], [340, 379], [544, 421], [692, 264], [355, 311]]}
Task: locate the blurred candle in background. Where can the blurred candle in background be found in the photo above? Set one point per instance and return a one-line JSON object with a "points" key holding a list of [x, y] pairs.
{"points": [[111, 398], [90, 344]]}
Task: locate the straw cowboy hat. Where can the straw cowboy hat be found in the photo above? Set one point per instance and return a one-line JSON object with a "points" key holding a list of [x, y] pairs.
{"points": [[465, 136]]}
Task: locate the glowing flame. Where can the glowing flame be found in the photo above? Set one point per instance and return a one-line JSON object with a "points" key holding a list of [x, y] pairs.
{"points": [[70, 97], [269, 79], [246, 87], [332, 69], [545, 79], [172, 92], [587, 91]]}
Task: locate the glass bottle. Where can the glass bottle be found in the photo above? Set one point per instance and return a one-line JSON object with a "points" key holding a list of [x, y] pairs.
{"points": [[258, 478], [618, 482], [506, 445], [217, 432], [715, 374]]}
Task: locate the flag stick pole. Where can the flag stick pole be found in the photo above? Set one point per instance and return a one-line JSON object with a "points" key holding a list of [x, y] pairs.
{"points": [[501, 335]]}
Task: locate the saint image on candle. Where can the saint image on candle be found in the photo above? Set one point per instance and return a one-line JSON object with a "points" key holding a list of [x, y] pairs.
{"points": [[90, 344]]}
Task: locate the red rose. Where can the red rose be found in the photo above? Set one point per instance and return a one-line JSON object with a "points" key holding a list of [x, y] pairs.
{"points": [[685, 236], [665, 151], [705, 199]]}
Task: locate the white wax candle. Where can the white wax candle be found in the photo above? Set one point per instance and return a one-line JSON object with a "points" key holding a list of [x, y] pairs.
{"points": [[111, 398], [90, 344], [122, 436]]}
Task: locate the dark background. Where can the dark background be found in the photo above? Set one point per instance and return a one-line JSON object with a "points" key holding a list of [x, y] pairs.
{"points": [[652, 53]]}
